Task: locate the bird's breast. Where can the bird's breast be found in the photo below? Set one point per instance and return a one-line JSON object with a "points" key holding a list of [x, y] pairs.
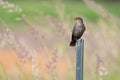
{"points": [[78, 29]]}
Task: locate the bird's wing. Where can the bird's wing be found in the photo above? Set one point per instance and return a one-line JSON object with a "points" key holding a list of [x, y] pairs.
{"points": [[78, 30], [73, 31]]}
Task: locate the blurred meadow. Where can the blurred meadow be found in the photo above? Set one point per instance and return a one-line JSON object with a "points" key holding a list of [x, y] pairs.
{"points": [[35, 36]]}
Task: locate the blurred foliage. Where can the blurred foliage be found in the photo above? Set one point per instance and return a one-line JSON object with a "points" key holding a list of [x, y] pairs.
{"points": [[37, 13], [108, 0], [67, 0]]}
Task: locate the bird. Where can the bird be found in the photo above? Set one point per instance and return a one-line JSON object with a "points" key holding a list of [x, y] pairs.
{"points": [[77, 31]]}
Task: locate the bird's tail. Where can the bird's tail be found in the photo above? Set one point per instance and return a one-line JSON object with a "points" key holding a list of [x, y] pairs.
{"points": [[73, 43]]}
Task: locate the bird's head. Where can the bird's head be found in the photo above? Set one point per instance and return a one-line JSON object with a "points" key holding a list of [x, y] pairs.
{"points": [[79, 20]]}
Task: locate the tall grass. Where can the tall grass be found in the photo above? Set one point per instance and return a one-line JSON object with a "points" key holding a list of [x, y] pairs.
{"points": [[100, 40], [3, 72]]}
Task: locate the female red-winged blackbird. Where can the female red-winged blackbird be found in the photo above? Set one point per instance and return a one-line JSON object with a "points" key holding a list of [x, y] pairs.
{"points": [[77, 31]]}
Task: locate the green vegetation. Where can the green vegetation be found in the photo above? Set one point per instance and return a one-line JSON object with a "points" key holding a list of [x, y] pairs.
{"points": [[36, 10], [112, 7], [33, 9]]}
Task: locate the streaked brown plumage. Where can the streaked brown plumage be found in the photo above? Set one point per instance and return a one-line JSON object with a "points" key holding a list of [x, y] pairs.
{"points": [[77, 31]]}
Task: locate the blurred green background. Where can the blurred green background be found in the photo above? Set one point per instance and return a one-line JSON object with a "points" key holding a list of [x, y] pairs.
{"points": [[35, 36]]}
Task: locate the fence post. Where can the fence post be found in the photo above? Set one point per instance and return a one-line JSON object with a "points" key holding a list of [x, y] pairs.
{"points": [[79, 59]]}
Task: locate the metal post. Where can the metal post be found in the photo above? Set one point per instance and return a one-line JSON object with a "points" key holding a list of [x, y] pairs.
{"points": [[79, 59]]}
